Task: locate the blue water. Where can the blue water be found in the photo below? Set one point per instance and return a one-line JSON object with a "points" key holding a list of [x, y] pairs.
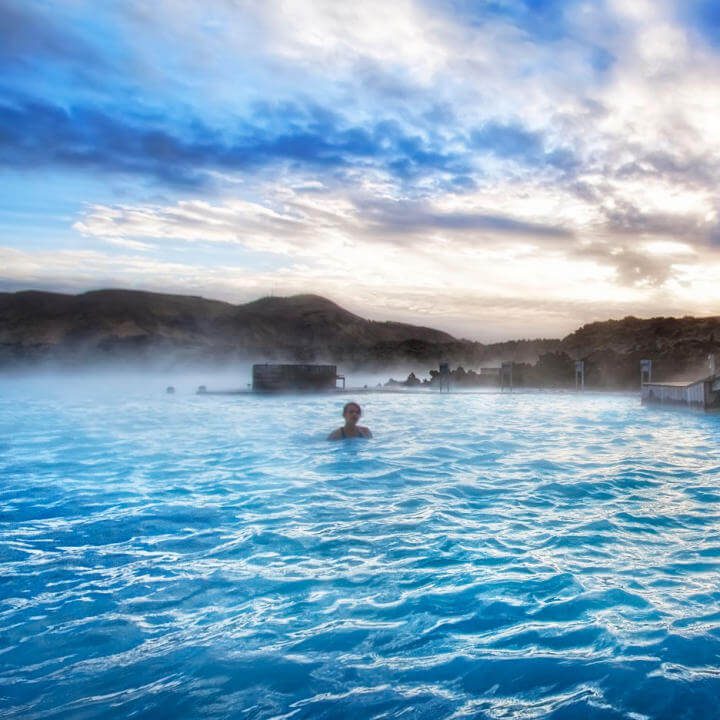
{"points": [[486, 556]]}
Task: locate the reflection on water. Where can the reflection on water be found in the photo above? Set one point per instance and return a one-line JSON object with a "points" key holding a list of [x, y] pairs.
{"points": [[525, 556]]}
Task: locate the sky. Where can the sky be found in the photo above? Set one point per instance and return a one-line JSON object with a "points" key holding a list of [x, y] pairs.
{"points": [[498, 169]]}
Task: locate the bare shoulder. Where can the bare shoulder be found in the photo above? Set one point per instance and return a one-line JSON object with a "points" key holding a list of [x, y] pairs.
{"points": [[335, 435], [365, 431]]}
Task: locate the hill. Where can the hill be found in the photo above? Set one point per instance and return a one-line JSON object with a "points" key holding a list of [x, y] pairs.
{"points": [[134, 325], [143, 327], [678, 347]]}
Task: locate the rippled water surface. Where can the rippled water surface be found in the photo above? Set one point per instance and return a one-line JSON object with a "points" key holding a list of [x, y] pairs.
{"points": [[486, 556]]}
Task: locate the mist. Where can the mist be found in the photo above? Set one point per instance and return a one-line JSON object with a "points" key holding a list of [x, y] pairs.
{"points": [[139, 378]]}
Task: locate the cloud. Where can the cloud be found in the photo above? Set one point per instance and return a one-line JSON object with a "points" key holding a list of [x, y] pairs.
{"points": [[486, 308], [396, 72], [78, 270], [543, 20], [626, 218], [606, 239], [27, 37], [37, 134], [236, 222], [512, 140], [312, 221], [404, 216], [704, 17], [342, 237], [546, 152]]}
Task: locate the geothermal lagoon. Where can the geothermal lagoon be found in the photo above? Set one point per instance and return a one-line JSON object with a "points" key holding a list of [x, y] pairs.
{"points": [[525, 555]]}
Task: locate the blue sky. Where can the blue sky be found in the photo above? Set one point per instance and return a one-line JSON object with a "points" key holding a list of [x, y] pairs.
{"points": [[497, 169]]}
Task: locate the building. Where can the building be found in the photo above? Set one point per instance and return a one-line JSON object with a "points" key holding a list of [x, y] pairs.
{"points": [[269, 377], [702, 394]]}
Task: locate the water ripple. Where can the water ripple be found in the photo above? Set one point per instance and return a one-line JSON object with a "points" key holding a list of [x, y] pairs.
{"points": [[486, 556]]}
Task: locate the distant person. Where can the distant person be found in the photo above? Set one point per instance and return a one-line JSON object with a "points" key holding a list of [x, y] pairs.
{"points": [[351, 412]]}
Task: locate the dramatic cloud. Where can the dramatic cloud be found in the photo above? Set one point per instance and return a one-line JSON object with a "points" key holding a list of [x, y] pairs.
{"points": [[556, 160], [36, 134], [315, 238], [26, 37]]}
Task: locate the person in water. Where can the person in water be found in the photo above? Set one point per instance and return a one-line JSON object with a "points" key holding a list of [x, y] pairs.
{"points": [[351, 412]]}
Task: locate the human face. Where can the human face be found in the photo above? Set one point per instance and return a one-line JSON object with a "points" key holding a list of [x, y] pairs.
{"points": [[352, 414]]}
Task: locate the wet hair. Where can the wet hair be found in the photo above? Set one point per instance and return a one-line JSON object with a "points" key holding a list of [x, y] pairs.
{"points": [[348, 404]]}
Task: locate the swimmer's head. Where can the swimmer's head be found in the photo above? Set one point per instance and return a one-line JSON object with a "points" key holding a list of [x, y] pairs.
{"points": [[351, 412]]}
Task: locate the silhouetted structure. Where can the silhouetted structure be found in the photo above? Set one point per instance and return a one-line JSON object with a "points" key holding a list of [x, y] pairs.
{"points": [[269, 377], [702, 394], [444, 376], [580, 375], [645, 372], [506, 376]]}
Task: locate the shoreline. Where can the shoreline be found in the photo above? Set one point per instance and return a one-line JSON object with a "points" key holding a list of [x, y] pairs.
{"points": [[419, 391]]}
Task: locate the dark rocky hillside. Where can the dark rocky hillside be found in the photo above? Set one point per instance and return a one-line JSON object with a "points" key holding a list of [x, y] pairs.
{"points": [[120, 326], [678, 347]]}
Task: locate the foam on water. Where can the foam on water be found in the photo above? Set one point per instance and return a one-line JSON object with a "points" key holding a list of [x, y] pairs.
{"points": [[486, 556]]}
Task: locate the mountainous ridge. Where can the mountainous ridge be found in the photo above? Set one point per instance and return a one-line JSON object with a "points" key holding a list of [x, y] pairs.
{"points": [[116, 325]]}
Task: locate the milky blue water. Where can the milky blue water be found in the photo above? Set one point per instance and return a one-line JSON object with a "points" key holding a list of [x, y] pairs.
{"points": [[486, 556]]}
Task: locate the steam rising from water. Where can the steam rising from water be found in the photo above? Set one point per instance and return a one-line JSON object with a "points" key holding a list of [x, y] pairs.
{"points": [[86, 381], [524, 556]]}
